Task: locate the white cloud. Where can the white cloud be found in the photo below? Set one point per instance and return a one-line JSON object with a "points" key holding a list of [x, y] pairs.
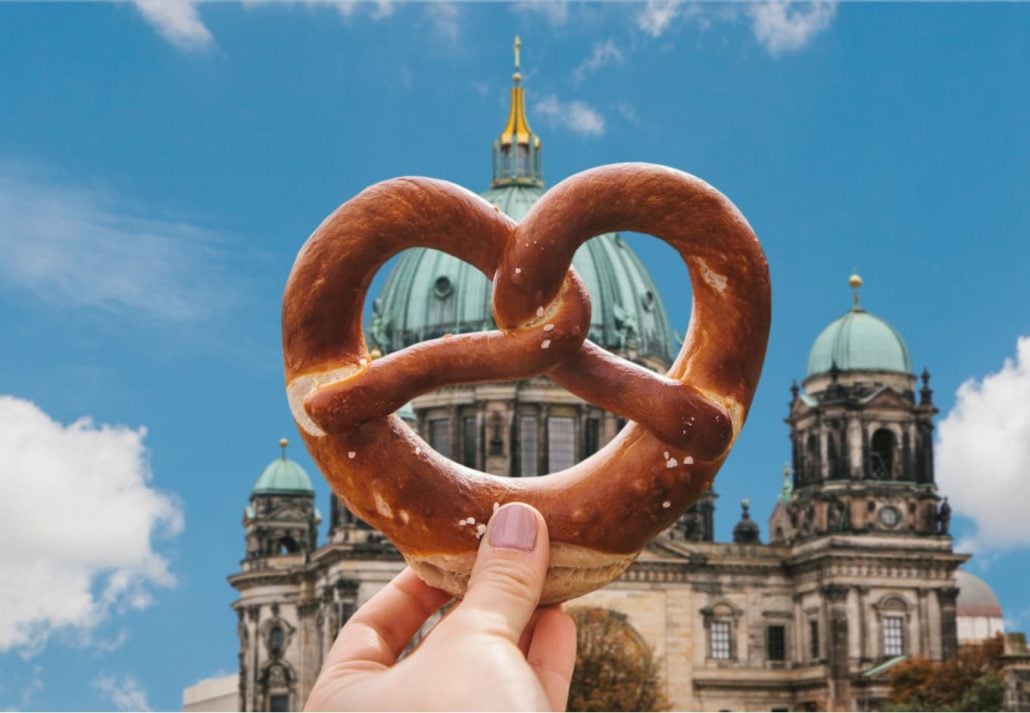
{"points": [[787, 27], [556, 13], [628, 112], [576, 116], [983, 454], [125, 692], [657, 15], [603, 54], [178, 22], [76, 519], [443, 16], [83, 247]]}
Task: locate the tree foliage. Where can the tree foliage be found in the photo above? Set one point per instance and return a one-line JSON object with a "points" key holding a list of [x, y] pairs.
{"points": [[615, 669], [968, 682]]}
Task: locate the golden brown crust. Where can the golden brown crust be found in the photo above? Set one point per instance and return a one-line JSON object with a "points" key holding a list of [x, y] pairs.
{"points": [[614, 502]]}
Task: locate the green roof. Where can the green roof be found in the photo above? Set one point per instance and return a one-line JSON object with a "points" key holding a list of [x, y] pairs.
{"points": [[430, 293], [883, 666], [283, 477], [859, 341]]}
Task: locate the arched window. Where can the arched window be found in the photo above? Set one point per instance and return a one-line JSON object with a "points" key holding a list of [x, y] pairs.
{"points": [[881, 456], [287, 545]]}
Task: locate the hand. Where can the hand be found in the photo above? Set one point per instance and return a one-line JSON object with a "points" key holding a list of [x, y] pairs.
{"points": [[494, 651]]}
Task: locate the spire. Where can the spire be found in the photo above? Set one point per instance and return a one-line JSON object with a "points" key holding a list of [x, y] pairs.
{"points": [[855, 281], [517, 150], [746, 531], [282, 445], [786, 491]]}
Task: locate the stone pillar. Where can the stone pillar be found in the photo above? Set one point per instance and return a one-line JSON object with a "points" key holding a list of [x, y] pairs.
{"points": [[863, 624], [922, 611], [836, 596], [947, 598], [309, 645]]}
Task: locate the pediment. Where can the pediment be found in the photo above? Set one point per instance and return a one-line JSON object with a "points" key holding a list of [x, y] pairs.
{"points": [[887, 397]]}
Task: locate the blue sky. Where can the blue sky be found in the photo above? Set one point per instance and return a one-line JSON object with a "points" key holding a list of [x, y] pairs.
{"points": [[160, 165]]}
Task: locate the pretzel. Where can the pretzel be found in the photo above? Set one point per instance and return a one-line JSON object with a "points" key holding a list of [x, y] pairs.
{"points": [[601, 512]]}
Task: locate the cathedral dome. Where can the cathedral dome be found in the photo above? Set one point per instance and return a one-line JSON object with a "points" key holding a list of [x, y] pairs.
{"points": [[859, 341], [429, 293], [975, 597], [283, 477]]}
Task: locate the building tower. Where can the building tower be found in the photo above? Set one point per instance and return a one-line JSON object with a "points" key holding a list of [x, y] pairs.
{"points": [[862, 443], [871, 554], [281, 528]]}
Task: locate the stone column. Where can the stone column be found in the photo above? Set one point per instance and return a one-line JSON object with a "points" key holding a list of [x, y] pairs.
{"points": [[924, 621], [836, 596], [863, 623], [947, 597]]}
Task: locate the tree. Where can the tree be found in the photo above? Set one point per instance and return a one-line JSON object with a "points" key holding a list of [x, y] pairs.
{"points": [[968, 682], [615, 669]]}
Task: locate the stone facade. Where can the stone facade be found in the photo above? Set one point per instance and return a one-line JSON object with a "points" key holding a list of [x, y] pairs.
{"points": [[805, 622]]}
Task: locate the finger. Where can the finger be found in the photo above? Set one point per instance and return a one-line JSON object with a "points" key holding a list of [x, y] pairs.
{"points": [[508, 575], [378, 632], [552, 654], [527, 634]]}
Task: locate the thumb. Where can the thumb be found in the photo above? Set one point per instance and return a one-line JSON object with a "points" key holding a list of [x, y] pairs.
{"points": [[508, 576]]}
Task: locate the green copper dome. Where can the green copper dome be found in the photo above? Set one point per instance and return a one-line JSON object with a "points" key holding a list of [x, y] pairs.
{"points": [[859, 341], [430, 293], [283, 477]]}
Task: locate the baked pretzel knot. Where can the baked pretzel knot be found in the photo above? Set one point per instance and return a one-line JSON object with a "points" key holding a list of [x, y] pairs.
{"points": [[602, 511]]}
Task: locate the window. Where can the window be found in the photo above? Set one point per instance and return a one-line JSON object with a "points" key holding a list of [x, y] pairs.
{"points": [[528, 452], [469, 445], [440, 436], [719, 632], [813, 639], [592, 436], [276, 640], [881, 460], [561, 443], [278, 702], [776, 643], [893, 636]]}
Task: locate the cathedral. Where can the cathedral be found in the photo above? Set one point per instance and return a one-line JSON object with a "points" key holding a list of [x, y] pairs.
{"points": [[858, 572]]}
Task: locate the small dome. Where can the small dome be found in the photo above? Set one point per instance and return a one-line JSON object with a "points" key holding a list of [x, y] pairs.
{"points": [[746, 531], [283, 477], [859, 341], [975, 597]]}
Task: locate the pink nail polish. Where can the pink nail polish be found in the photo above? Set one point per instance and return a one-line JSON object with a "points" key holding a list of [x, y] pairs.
{"points": [[513, 527]]}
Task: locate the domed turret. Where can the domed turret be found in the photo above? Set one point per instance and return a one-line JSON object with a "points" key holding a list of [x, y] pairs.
{"points": [[281, 518], [746, 531], [430, 293], [283, 477], [978, 610], [859, 341]]}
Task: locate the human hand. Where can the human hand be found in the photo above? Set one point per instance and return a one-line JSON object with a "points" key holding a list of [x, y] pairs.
{"points": [[496, 650]]}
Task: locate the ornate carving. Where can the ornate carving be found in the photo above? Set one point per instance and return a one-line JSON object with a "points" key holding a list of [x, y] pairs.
{"points": [[948, 596], [943, 517]]}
